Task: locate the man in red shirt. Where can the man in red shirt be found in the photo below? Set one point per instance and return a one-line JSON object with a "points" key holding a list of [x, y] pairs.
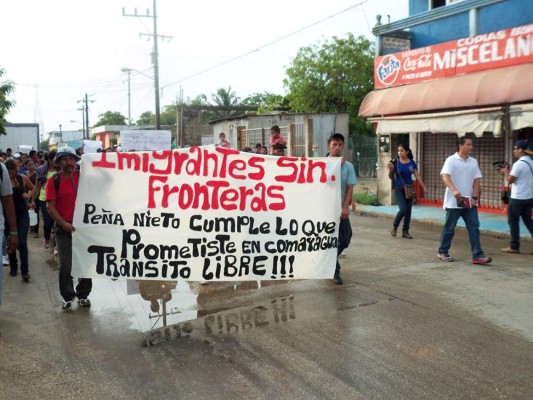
{"points": [[60, 202]]}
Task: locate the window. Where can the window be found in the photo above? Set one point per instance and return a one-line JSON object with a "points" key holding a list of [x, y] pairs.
{"points": [[440, 3]]}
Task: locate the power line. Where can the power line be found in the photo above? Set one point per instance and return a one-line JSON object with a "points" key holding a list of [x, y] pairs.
{"points": [[265, 45]]}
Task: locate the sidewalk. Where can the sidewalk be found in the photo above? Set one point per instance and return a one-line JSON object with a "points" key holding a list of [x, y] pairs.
{"points": [[492, 224]]}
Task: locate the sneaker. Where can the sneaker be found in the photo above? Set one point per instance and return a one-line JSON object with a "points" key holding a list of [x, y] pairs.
{"points": [[444, 257], [66, 305], [84, 302], [5, 260], [406, 235], [394, 232], [36, 235], [482, 260], [26, 277], [13, 273], [46, 244], [510, 250]]}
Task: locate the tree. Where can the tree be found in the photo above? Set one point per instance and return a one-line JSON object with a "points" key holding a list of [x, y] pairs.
{"points": [[169, 115], [200, 100], [146, 118], [111, 118], [43, 145], [333, 76], [225, 98], [267, 102], [6, 88]]}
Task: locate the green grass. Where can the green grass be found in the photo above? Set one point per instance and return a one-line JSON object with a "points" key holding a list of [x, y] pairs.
{"points": [[366, 199]]}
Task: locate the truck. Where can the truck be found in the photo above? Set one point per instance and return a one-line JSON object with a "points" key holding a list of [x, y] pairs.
{"points": [[20, 137]]}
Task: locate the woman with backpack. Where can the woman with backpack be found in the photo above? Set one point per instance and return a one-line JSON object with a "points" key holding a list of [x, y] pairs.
{"points": [[22, 188]]}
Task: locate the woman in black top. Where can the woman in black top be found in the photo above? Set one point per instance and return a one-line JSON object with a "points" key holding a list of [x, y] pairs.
{"points": [[22, 188]]}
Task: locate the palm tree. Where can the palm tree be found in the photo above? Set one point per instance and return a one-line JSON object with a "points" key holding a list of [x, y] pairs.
{"points": [[225, 98]]}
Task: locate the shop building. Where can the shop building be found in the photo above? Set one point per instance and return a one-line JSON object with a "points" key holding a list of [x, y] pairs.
{"points": [[453, 68]]}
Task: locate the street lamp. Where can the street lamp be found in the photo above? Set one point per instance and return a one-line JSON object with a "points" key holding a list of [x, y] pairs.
{"points": [[60, 136], [128, 71]]}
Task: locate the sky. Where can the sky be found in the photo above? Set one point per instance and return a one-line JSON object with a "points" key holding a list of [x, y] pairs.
{"points": [[57, 51]]}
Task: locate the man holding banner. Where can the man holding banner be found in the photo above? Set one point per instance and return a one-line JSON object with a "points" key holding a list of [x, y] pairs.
{"points": [[348, 179], [61, 193]]}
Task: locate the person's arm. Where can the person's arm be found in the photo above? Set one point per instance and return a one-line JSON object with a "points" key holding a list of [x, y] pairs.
{"points": [[12, 237], [419, 180], [281, 140], [36, 191], [28, 191], [476, 192], [347, 201], [505, 172], [54, 214], [447, 179], [391, 170]]}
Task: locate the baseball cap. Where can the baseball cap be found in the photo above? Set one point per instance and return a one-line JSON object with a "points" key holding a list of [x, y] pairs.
{"points": [[66, 151], [524, 145]]}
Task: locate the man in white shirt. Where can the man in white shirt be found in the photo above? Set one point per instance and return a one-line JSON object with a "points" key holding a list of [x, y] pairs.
{"points": [[461, 175], [521, 203]]}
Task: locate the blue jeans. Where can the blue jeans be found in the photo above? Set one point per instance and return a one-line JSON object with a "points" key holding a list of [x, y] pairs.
{"points": [[406, 205], [471, 219], [519, 208], [345, 236]]}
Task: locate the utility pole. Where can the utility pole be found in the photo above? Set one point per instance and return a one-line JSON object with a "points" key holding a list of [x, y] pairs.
{"points": [[82, 120], [128, 70], [155, 55], [85, 108]]}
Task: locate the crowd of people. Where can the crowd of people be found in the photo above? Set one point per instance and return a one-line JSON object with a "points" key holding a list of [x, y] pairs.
{"points": [[47, 182], [461, 175]]}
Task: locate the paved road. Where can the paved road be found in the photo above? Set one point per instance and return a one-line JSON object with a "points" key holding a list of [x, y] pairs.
{"points": [[404, 326]]}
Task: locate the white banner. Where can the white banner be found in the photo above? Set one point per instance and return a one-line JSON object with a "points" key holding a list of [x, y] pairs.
{"points": [[206, 214], [145, 140]]}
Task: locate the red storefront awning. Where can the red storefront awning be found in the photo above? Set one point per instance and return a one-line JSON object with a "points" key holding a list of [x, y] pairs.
{"points": [[491, 87]]}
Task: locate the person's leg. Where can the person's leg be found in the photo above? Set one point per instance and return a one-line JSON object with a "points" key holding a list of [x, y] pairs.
{"points": [[448, 230], [23, 225], [407, 218], [402, 205], [48, 223], [513, 218], [526, 215], [83, 288], [64, 242], [470, 216], [13, 262], [345, 236]]}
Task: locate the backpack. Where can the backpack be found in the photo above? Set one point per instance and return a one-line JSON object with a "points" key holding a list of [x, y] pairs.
{"points": [[57, 179]]}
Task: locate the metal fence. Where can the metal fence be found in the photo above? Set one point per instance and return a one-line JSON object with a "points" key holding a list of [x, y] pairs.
{"points": [[365, 155], [298, 140]]}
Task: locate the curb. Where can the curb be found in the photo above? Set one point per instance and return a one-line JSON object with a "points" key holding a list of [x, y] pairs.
{"points": [[432, 222]]}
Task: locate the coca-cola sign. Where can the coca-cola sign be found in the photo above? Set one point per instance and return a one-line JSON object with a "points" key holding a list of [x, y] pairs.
{"points": [[490, 50]]}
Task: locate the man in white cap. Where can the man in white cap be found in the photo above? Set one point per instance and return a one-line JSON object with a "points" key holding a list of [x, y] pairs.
{"points": [[61, 192]]}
